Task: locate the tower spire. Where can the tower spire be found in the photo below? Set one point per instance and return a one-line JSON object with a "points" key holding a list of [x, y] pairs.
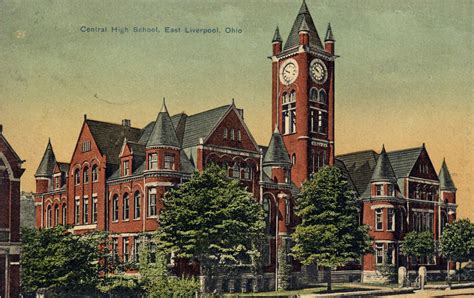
{"points": [[293, 38], [329, 35], [445, 180], [277, 36]]}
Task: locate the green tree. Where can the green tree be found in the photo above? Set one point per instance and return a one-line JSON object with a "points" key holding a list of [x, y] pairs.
{"points": [[60, 261], [457, 241], [329, 233], [212, 219], [418, 244]]}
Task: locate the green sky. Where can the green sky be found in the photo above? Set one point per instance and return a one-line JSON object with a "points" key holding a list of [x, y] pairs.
{"points": [[404, 76]]}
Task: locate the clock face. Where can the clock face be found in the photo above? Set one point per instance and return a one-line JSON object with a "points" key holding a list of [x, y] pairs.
{"points": [[289, 71], [318, 71]]}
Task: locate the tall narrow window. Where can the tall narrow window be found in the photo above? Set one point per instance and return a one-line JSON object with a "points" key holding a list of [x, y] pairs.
{"points": [[151, 202], [125, 249], [287, 212], [115, 208], [169, 161], [391, 190], [57, 182], [236, 170], [153, 161], [114, 250], [267, 211], [85, 207], [322, 122], [136, 249], [378, 219], [289, 113], [239, 136], [136, 205], [232, 134], [225, 133], [77, 177], [126, 168], [313, 94], [94, 209], [322, 96], [85, 175], [378, 189], [246, 171], [48, 217], [64, 214], [390, 219], [125, 207], [77, 211], [56, 215], [379, 253], [95, 173], [391, 252]]}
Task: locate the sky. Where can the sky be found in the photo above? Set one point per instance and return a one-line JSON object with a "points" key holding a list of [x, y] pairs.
{"points": [[404, 76]]}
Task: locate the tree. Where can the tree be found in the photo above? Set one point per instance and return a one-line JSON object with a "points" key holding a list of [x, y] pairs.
{"points": [[418, 244], [329, 233], [211, 219], [457, 241], [60, 261]]}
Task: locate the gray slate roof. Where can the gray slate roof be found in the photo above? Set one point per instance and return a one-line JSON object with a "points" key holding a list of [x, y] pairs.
{"points": [[276, 153], [163, 133], [404, 160], [277, 36], [383, 169], [445, 180], [360, 166], [293, 37], [63, 167], [329, 35], [46, 166]]}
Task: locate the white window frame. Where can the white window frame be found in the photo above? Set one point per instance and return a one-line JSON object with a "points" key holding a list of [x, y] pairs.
{"points": [[85, 210], [126, 168], [377, 188], [125, 249], [137, 203], [153, 161], [152, 204], [378, 219], [115, 208], [95, 173], [379, 253], [391, 219], [126, 206], [169, 161], [94, 209], [77, 211]]}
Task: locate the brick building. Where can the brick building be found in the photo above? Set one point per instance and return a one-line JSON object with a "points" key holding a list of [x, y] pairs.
{"points": [[118, 174], [10, 173]]}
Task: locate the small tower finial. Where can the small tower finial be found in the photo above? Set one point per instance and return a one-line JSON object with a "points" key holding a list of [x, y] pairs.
{"points": [[163, 106], [329, 34], [1, 128], [383, 148], [277, 36], [85, 117], [233, 101]]}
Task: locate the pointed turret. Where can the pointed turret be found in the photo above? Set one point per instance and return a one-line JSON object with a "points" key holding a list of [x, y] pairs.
{"points": [[163, 134], [445, 180], [276, 42], [304, 33], [277, 36], [383, 171], [303, 17], [329, 40], [329, 35], [276, 153], [46, 166]]}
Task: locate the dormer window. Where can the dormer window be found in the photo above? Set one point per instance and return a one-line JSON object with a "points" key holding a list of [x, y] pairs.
{"points": [[169, 161], [57, 182], [378, 190], [153, 161], [126, 168]]}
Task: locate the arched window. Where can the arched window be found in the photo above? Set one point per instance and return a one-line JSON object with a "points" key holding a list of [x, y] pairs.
{"points": [[323, 98], [289, 113], [236, 170], [313, 94], [48, 217], [285, 98], [267, 210], [56, 215], [77, 177], [293, 159], [293, 96], [115, 208], [95, 173], [64, 214], [125, 207], [136, 205], [85, 175], [246, 172]]}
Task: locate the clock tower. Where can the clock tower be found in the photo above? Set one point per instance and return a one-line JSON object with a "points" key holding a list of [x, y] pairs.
{"points": [[303, 95]]}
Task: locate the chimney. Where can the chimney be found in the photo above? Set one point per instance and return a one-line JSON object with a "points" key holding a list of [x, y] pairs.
{"points": [[126, 122], [1, 128]]}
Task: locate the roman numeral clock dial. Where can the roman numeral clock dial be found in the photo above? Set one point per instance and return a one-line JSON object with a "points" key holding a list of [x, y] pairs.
{"points": [[288, 71], [318, 71]]}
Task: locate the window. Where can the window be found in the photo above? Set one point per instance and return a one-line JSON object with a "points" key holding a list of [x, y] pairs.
{"points": [[225, 133], [378, 189], [115, 208], [136, 205], [322, 96], [169, 161], [266, 209], [85, 175], [390, 219], [125, 207], [289, 113], [313, 94], [391, 190], [236, 170], [293, 159], [56, 215], [86, 210], [57, 182], [126, 168], [287, 212], [239, 136], [95, 173], [77, 177], [136, 249], [379, 253], [153, 161], [152, 202], [232, 134], [125, 249], [64, 214], [77, 211], [114, 250], [246, 173], [94, 209], [48, 217], [378, 219], [391, 252], [86, 146]]}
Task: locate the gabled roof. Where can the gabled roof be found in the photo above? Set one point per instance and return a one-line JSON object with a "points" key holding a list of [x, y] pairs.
{"points": [[276, 153], [46, 166], [383, 169], [293, 37], [404, 160], [445, 180], [360, 166], [163, 133], [199, 125], [109, 137]]}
